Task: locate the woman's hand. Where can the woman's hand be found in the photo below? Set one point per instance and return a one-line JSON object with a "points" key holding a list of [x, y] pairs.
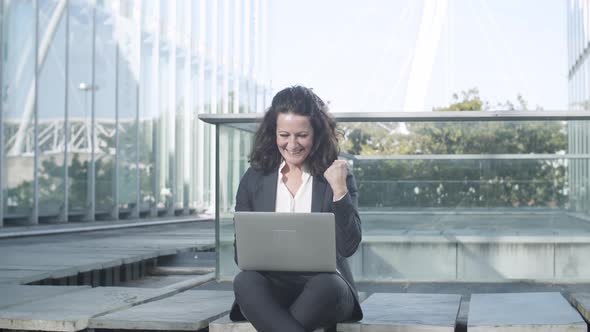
{"points": [[336, 177]]}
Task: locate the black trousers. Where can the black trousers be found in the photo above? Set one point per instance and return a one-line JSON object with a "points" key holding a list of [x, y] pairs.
{"points": [[278, 301]]}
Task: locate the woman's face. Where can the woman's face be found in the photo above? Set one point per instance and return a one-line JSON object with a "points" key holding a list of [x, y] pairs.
{"points": [[294, 138]]}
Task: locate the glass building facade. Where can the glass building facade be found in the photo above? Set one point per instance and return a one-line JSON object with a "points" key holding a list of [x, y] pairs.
{"points": [[578, 20], [99, 103]]}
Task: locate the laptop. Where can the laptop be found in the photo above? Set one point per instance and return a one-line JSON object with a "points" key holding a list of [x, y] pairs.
{"points": [[294, 242]]}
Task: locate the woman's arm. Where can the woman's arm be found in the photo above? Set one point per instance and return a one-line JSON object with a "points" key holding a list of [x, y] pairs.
{"points": [[243, 199], [348, 222]]}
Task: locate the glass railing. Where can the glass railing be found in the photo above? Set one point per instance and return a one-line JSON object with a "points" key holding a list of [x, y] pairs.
{"points": [[437, 173]]}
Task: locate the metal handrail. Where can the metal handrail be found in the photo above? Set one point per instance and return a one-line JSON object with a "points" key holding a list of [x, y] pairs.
{"points": [[506, 156], [454, 116]]}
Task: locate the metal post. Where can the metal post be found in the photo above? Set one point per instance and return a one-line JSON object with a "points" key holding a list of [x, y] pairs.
{"points": [[155, 160], [108, 279], [116, 275], [187, 123], [136, 210], [217, 199], [2, 149], [96, 278], [171, 130], [64, 213], [115, 207], [91, 196], [155, 105], [34, 217]]}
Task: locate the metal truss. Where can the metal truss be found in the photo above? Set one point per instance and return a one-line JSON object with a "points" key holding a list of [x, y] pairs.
{"points": [[52, 139]]}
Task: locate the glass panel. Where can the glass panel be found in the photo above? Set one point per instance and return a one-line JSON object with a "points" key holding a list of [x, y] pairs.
{"points": [[148, 111], [209, 167], [3, 8], [146, 158], [80, 91], [201, 140], [182, 122], [127, 105], [196, 129], [18, 93], [233, 162], [165, 119], [244, 106], [105, 105], [51, 107], [493, 178], [458, 165]]}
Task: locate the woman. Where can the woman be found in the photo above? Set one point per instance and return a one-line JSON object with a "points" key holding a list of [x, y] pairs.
{"points": [[294, 168]]}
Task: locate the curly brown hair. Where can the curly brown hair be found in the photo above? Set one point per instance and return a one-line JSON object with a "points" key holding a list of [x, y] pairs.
{"points": [[297, 100]]}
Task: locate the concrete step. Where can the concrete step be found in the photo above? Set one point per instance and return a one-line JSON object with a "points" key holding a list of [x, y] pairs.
{"points": [[72, 311], [19, 294], [188, 311], [407, 312], [224, 324], [465, 258], [461, 245], [473, 258], [523, 312]]}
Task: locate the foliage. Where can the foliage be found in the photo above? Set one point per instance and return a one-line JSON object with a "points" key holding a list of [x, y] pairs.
{"points": [[391, 173]]}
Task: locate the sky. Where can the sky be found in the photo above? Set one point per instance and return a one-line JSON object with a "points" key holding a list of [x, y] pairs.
{"points": [[358, 55]]}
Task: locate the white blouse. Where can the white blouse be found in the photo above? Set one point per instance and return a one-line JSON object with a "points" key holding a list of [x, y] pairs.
{"points": [[301, 202]]}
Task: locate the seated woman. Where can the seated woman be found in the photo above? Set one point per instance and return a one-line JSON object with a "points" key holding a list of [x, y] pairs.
{"points": [[294, 161]]}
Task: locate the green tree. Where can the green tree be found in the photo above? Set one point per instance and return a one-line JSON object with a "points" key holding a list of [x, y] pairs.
{"points": [[452, 182]]}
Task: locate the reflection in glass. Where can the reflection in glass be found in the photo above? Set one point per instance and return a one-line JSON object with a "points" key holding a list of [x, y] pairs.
{"points": [[132, 83], [51, 108], [181, 124], [147, 119], [127, 84], [164, 153], [18, 96], [80, 90], [105, 107]]}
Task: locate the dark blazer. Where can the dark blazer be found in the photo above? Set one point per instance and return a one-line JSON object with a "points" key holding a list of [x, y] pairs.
{"points": [[257, 192]]}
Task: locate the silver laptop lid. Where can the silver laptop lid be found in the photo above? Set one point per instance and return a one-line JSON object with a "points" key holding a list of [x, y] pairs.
{"points": [[296, 242]]}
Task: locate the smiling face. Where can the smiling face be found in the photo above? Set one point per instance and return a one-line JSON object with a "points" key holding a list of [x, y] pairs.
{"points": [[294, 138]]}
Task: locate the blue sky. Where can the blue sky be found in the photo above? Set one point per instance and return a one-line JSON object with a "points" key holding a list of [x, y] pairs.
{"points": [[358, 54]]}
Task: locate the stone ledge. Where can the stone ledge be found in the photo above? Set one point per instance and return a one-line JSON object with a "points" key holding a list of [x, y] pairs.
{"points": [[224, 324], [188, 311], [72, 311], [539, 312], [20, 294], [407, 312]]}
